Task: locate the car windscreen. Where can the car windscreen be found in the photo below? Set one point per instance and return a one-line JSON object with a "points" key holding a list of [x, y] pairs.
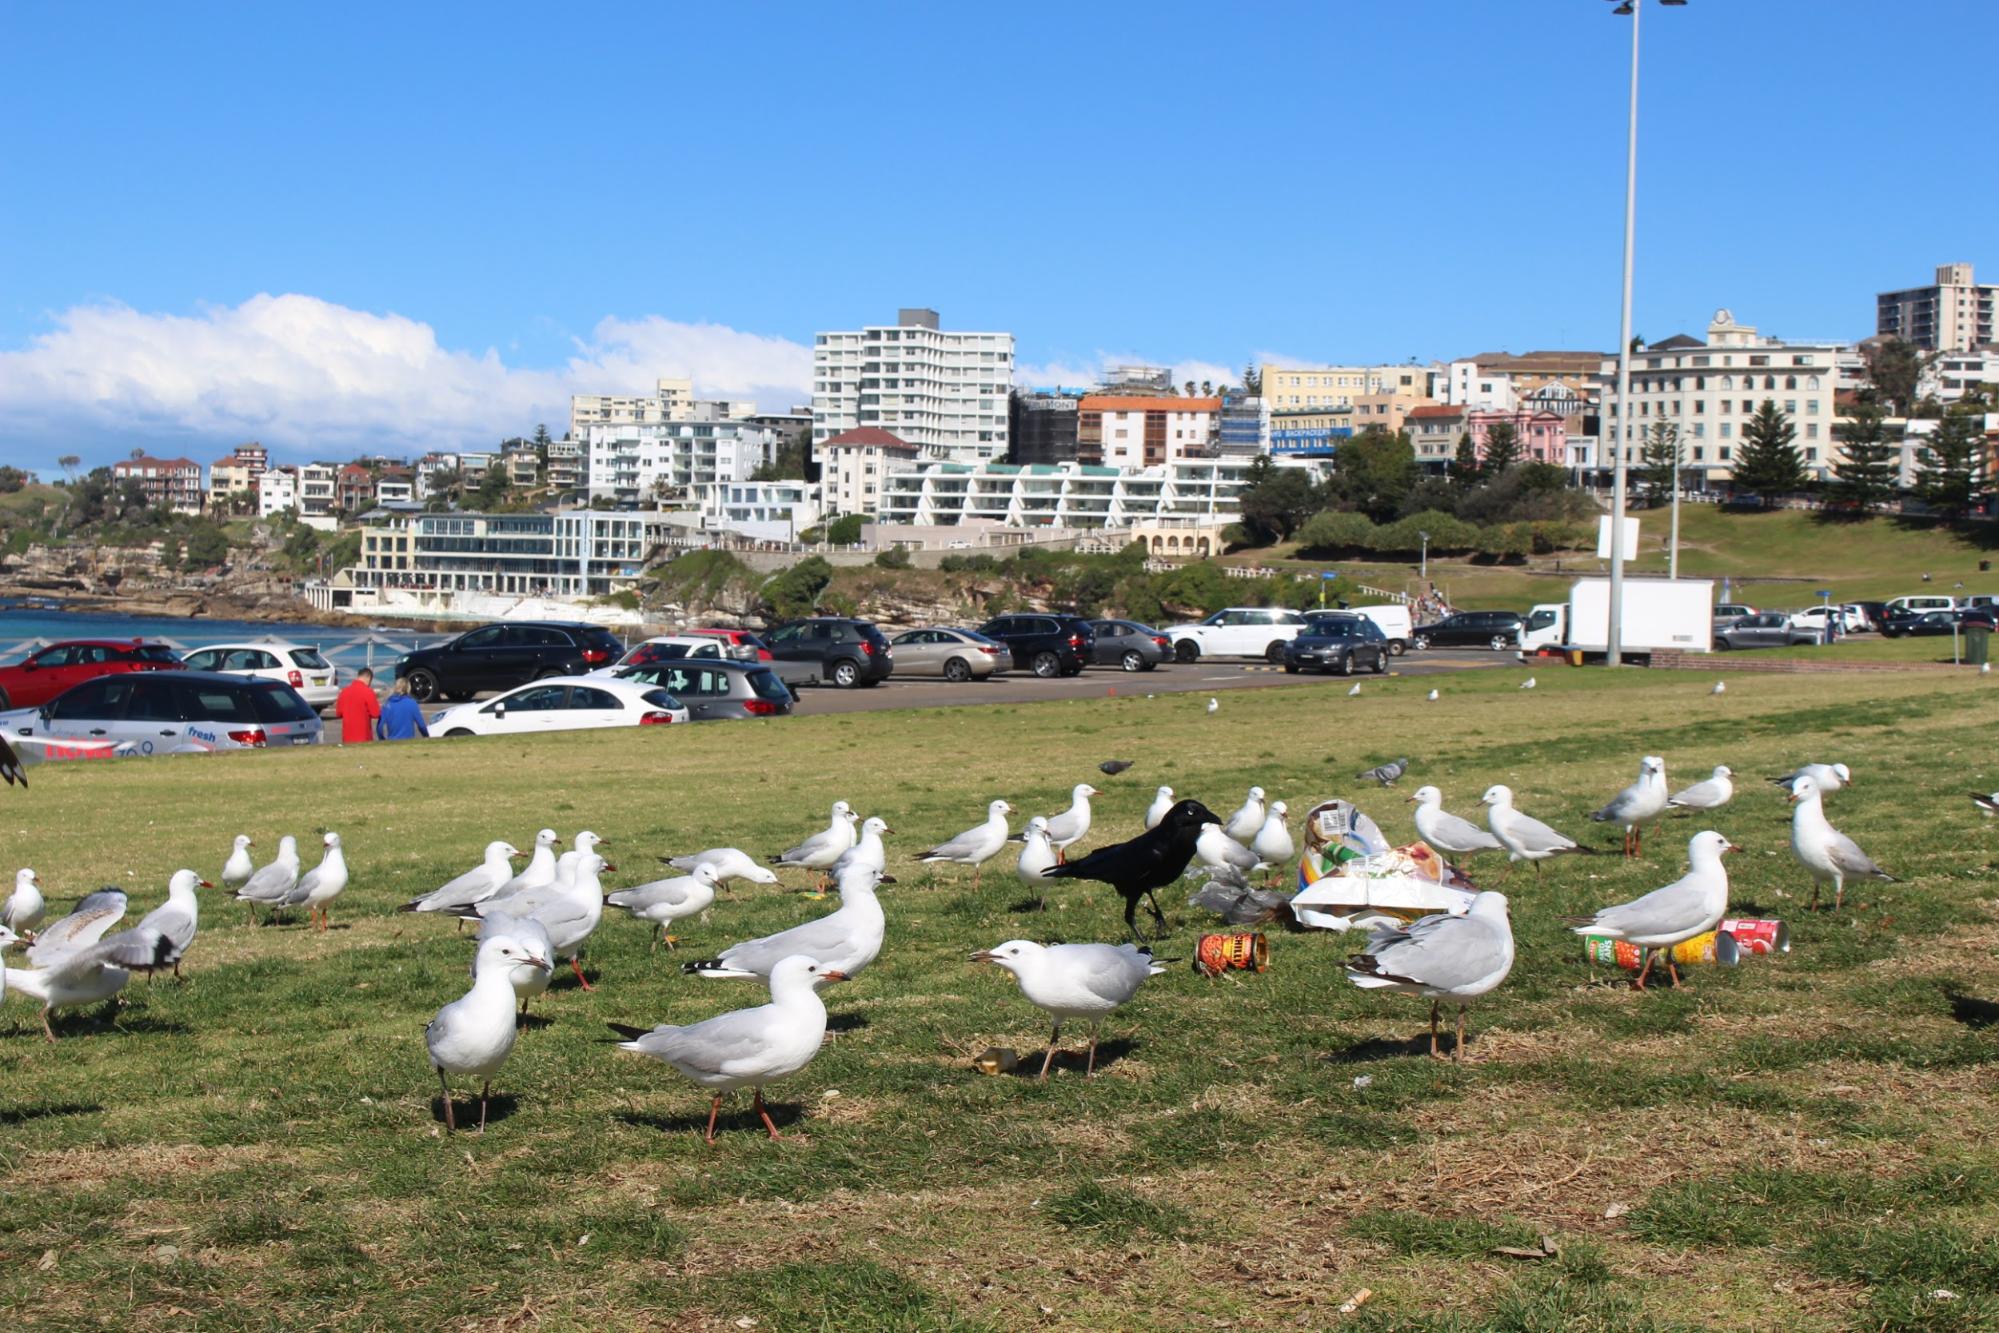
{"points": [[154, 652], [309, 659], [768, 686], [661, 699], [280, 703]]}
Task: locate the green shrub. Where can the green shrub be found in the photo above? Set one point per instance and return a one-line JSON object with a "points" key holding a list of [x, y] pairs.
{"points": [[894, 557]]}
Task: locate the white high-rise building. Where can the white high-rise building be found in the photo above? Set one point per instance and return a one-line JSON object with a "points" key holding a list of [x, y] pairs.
{"points": [[641, 465], [943, 391]]}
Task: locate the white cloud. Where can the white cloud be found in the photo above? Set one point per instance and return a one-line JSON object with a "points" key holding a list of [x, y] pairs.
{"points": [[305, 375]]}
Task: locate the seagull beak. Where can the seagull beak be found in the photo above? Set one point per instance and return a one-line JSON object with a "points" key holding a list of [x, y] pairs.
{"points": [[541, 963], [835, 975], [202, 883], [888, 830], [886, 879], [984, 956], [1731, 847], [609, 866], [1409, 801]]}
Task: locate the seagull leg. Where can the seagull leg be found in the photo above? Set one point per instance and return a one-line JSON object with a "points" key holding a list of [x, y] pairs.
{"points": [[763, 1111], [1638, 982], [714, 1109], [485, 1092], [1053, 1037], [450, 1121], [1815, 897], [1433, 1029], [1458, 1051], [975, 876], [1838, 892], [576, 966], [656, 930], [1671, 971], [672, 942], [46, 1029], [1090, 1070]]}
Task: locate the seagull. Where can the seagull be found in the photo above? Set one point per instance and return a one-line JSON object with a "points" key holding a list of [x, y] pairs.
{"points": [[1643, 800], [1525, 838], [1146, 863], [1272, 844], [1082, 981], [1988, 804], [1827, 777], [976, 845], [1355, 691], [868, 851], [274, 883], [1037, 858], [1712, 794], [1067, 829], [1720, 687], [25, 907], [323, 883], [529, 976], [747, 1048], [569, 907], [1162, 801], [1215, 848], [731, 863], [1387, 774], [474, 1034], [1445, 831], [1214, 705], [1442, 957], [848, 938], [823, 848], [179, 916], [1248, 818], [538, 873], [1110, 768], [236, 871], [1528, 683], [1984, 668], [665, 901], [74, 963], [1691, 905], [1433, 696], [475, 885], [1823, 849]]}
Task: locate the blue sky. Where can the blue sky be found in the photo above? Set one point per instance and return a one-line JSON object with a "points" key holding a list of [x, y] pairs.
{"points": [[411, 226]]}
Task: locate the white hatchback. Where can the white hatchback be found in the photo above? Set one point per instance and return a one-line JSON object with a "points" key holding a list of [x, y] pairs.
{"points": [[562, 703], [295, 664], [1238, 631]]}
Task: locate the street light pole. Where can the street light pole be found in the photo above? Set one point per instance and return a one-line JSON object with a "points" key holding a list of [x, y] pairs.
{"points": [[1426, 555]]}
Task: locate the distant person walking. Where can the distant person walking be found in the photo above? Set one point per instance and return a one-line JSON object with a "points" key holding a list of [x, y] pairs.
{"points": [[357, 709], [402, 716]]}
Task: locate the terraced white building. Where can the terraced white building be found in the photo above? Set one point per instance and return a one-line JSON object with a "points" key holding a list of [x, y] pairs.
{"points": [[1064, 495]]}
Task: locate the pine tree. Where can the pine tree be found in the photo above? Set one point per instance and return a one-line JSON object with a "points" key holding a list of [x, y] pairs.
{"points": [[1502, 448], [1953, 464], [1659, 460], [1252, 381], [1465, 470], [1870, 463], [1768, 462]]}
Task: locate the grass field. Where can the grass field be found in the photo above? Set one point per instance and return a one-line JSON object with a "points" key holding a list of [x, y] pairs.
{"points": [[1800, 1143]]}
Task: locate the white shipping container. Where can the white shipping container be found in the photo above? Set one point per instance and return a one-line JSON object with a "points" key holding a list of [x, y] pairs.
{"points": [[1658, 613]]}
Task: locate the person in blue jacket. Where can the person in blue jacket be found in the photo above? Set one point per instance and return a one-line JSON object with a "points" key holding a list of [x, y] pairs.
{"points": [[402, 716]]}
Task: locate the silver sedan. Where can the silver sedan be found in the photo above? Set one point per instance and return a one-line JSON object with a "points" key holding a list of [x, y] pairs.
{"points": [[954, 654]]}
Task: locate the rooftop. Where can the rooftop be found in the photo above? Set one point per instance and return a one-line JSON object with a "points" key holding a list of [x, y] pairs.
{"points": [[862, 436], [1106, 402]]}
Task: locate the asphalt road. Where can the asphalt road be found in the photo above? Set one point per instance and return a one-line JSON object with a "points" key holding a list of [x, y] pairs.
{"points": [[1207, 677]]}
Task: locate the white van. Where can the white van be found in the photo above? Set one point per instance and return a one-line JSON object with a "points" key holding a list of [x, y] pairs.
{"points": [[1923, 603], [1393, 622]]}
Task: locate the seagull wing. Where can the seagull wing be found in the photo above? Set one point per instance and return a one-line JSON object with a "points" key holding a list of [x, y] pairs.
{"points": [[82, 928], [1532, 834], [1846, 854], [1436, 951], [1676, 907], [1701, 796], [730, 1044], [139, 949], [1464, 834], [173, 922]]}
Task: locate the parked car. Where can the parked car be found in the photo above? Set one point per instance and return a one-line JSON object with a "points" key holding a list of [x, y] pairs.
{"points": [[1497, 630], [831, 650], [295, 664], [1987, 616], [1766, 629], [671, 647], [1338, 642], [1047, 645], [1923, 602], [1830, 621], [737, 643], [174, 712], [1129, 645], [562, 703], [1238, 631], [1857, 617], [42, 676], [499, 657], [712, 690], [1733, 610], [954, 654], [1928, 623], [1873, 613]]}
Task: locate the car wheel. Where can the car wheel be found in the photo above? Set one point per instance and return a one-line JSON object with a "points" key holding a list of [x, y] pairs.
{"points": [[1131, 661], [1290, 668], [1396, 647], [423, 685], [1046, 666], [1186, 650], [1420, 643], [1380, 663], [846, 673], [956, 670], [458, 731], [1346, 665], [1722, 645], [550, 673], [1275, 652], [1150, 666], [1500, 643]]}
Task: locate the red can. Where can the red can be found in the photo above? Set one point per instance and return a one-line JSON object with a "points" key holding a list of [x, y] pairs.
{"points": [[1759, 936], [1215, 954]]}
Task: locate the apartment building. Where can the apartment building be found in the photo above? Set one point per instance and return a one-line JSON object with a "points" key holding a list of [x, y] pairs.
{"points": [[1954, 374], [941, 390], [277, 491], [523, 465], [1041, 425], [1434, 431], [1952, 314], [319, 492], [1709, 390], [570, 553], [646, 465], [1308, 432], [1528, 372], [855, 462], [171, 482], [1064, 495], [768, 511], [235, 477], [1122, 432], [565, 464], [1242, 429], [670, 398], [356, 488]]}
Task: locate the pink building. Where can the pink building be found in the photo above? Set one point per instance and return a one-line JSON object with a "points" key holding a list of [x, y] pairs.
{"points": [[1543, 436]]}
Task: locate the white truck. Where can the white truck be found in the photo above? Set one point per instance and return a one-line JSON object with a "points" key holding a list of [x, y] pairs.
{"points": [[1393, 622], [1675, 614]]}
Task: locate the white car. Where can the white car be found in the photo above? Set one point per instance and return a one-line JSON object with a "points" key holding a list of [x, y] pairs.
{"points": [[1238, 631], [672, 647], [1818, 617], [562, 703], [295, 664]]}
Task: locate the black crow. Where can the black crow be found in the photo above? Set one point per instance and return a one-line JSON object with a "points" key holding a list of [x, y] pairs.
{"points": [[1152, 860]]}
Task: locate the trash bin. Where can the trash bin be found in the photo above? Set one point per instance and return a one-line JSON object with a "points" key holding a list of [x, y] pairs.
{"points": [[1977, 644]]}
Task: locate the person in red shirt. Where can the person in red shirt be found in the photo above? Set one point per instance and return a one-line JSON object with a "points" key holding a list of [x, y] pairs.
{"points": [[357, 709]]}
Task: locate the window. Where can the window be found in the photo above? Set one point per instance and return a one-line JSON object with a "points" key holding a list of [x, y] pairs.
{"points": [[154, 701], [1727, 429], [539, 699], [1699, 453], [582, 697], [1725, 452], [1811, 430], [488, 637]]}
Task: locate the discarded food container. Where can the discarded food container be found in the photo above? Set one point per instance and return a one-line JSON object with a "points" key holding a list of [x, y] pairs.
{"points": [[996, 1060], [1759, 936], [1350, 877], [1717, 946], [1216, 954]]}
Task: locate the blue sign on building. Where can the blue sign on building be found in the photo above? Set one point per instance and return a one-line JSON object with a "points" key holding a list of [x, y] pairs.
{"points": [[1318, 442]]}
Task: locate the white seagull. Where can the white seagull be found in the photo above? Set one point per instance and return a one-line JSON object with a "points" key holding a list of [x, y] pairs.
{"points": [[569, 907], [475, 885], [1691, 905], [730, 862], [531, 974], [867, 850], [1037, 857], [237, 870], [1066, 829], [1065, 981], [1642, 801], [74, 963], [823, 848], [1711, 794], [1162, 801], [1214, 705], [1827, 777], [179, 917], [747, 1048], [1524, 837], [1273, 844], [1248, 817], [1823, 849], [1720, 687], [976, 845], [1354, 691], [539, 870], [665, 901], [1216, 849], [1443, 957], [1445, 831], [274, 883], [1433, 696], [25, 907], [1528, 683], [848, 939], [473, 1035], [321, 884]]}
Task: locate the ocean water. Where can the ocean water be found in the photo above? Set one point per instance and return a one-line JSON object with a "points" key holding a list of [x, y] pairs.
{"points": [[345, 647]]}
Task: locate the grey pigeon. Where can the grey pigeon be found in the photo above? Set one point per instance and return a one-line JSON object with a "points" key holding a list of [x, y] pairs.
{"points": [[1386, 775], [1110, 768], [1228, 897]]}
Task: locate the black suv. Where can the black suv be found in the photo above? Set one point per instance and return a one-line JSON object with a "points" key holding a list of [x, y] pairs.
{"points": [[1047, 645], [1497, 630], [499, 657], [1342, 643], [830, 649]]}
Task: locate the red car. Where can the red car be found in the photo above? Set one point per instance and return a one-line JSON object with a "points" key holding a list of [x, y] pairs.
{"points": [[46, 674], [736, 641]]}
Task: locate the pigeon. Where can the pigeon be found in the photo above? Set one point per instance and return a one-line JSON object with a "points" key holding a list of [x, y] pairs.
{"points": [[237, 870], [1987, 803], [1110, 768], [1355, 691], [1823, 850], [976, 845], [1691, 905], [1214, 705], [822, 849], [1827, 777], [474, 1034], [1037, 857], [732, 864], [1248, 818], [1273, 844], [1528, 683], [1445, 831], [25, 907], [665, 901], [1433, 696], [1217, 850], [1386, 774], [1720, 687], [1712, 794], [1150, 861], [1525, 838], [1643, 800], [1442, 957], [1068, 981], [1162, 801]]}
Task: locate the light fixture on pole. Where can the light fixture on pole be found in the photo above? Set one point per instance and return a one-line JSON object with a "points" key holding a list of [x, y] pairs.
{"points": [[1426, 554], [1614, 646]]}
